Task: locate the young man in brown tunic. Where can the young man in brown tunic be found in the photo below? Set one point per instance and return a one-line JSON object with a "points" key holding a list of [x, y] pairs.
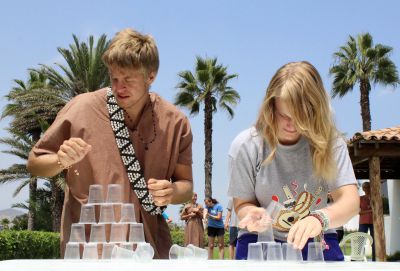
{"points": [[82, 141]]}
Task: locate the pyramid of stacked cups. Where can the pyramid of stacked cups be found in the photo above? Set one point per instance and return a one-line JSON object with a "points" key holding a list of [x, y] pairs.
{"points": [[114, 233]]}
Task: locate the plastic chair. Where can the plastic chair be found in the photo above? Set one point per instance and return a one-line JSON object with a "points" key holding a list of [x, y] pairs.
{"points": [[358, 240]]}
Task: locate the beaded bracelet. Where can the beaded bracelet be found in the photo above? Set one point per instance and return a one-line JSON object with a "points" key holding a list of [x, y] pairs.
{"points": [[61, 165], [322, 217]]}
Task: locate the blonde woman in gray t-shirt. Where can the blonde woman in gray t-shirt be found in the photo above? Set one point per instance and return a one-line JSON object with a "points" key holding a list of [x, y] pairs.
{"points": [[294, 155]]}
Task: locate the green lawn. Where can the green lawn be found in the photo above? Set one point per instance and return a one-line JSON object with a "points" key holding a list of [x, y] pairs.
{"points": [[216, 253]]}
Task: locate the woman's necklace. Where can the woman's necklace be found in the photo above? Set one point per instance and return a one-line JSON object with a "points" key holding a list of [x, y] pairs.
{"points": [[145, 143]]}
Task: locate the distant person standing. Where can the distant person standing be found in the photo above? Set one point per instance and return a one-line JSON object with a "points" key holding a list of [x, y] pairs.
{"points": [[231, 224], [366, 222], [215, 227], [166, 217], [192, 214]]}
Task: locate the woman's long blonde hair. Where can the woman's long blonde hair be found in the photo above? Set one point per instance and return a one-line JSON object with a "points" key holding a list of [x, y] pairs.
{"points": [[299, 86]]}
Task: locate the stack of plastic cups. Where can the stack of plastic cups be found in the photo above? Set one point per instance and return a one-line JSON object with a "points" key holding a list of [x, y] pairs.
{"points": [[116, 215]]}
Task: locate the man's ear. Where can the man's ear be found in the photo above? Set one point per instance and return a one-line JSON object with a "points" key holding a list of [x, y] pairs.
{"points": [[151, 77]]}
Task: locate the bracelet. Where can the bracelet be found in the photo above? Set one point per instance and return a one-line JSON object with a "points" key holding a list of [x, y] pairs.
{"points": [[61, 165], [322, 217]]}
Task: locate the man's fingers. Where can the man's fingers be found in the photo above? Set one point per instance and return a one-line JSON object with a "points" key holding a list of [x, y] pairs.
{"points": [[161, 193], [154, 184]]}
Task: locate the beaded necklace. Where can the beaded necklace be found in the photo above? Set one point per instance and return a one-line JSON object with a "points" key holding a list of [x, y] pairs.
{"points": [[135, 130]]}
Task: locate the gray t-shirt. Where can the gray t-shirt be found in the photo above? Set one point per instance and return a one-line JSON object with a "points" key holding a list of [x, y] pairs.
{"points": [[288, 179], [234, 221]]}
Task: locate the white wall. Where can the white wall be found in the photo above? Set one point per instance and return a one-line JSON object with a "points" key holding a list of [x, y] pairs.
{"points": [[393, 238]]}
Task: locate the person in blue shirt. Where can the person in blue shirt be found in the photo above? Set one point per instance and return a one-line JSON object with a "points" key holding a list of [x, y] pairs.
{"points": [[166, 217], [215, 226]]}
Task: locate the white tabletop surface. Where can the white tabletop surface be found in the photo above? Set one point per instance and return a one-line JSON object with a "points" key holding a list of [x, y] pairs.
{"points": [[164, 265]]}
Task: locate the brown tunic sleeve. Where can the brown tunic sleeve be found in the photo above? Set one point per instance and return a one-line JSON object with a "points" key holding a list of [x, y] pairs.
{"points": [[185, 146]]}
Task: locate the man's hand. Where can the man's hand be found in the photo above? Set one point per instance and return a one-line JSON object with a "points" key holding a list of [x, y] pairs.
{"points": [[302, 230], [256, 220], [161, 190], [72, 151]]}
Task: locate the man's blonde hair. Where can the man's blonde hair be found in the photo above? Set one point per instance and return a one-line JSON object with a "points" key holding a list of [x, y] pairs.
{"points": [[299, 86], [131, 49]]}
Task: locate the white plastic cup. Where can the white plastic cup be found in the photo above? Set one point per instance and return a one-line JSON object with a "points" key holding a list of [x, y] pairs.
{"points": [[255, 252], [96, 194], [107, 250], [122, 253], [90, 251], [291, 254], [128, 246], [274, 252], [114, 193], [107, 214], [77, 233], [144, 252], [136, 233], [176, 252], [97, 233], [267, 235], [118, 233], [87, 215], [128, 213], [315, 252], [273, 209], [72, 251], [196, 252]]}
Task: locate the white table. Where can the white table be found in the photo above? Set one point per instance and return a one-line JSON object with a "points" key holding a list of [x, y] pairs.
{"points": [[166, 265]]}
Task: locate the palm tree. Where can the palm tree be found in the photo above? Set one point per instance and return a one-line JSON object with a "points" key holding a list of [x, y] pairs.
{"points": [[30, 103], [85, 70], [38, 101], [208, 86], [359, 61], [42, 206], [20, 147]]}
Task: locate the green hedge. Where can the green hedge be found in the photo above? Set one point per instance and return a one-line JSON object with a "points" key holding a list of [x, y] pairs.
{"points": [[29, 245]]}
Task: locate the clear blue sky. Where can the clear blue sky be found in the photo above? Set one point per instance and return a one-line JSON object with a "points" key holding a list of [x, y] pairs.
{"points": [[252, 38]]}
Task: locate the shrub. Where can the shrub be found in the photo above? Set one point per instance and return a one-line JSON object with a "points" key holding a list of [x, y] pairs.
{"points": [[29, 245], [394, 258]]}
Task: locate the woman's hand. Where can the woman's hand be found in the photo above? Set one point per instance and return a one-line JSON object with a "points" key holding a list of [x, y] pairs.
{"points": [[302, 230], [256, 219]]}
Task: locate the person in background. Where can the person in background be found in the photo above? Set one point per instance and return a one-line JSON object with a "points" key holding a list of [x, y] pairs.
{"points": [[192, 214], [124, 135], [215, 227], [166, 217], [231, 224], [365, 221], [293, 155]]}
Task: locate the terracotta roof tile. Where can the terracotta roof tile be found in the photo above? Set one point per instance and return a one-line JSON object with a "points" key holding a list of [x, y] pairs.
{"points": [[387, 134]]}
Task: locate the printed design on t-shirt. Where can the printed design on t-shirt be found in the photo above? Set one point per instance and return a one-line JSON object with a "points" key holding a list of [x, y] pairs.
{"points": [[294, 185], [295, 208]]}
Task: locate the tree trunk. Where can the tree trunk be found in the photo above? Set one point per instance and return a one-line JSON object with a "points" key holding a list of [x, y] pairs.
{"points": [[364, 103], [32, 204], [57, 197], [208, 144], [377, 208]]}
